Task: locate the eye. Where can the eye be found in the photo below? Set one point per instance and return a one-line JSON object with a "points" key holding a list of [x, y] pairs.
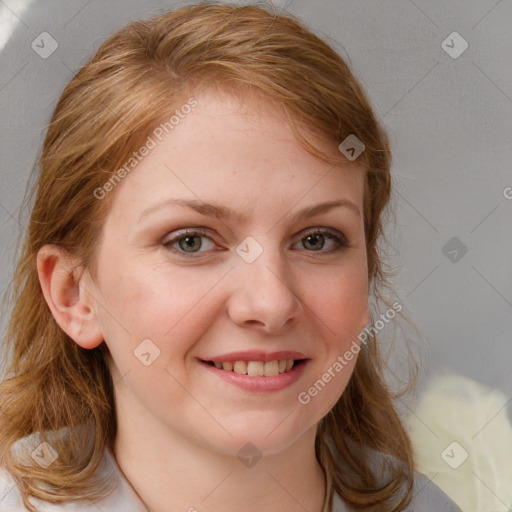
{"points": [[315, 241], [188, 242]]}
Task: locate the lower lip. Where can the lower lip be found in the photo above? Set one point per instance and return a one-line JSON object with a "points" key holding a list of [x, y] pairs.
{"points": [[260, 384]]}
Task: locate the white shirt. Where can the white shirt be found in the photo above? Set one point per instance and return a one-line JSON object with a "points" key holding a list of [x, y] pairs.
{"points": [[427, 496]]}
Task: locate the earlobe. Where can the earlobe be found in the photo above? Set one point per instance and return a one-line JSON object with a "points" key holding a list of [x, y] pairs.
{"points": [[65, 293]]}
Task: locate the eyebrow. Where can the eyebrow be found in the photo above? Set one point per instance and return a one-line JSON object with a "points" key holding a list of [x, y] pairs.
{"points": [[224, 213]]}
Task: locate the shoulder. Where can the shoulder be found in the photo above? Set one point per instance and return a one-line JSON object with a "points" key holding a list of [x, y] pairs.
{"points": [[122, 498], [427, 497], [10, 496]]}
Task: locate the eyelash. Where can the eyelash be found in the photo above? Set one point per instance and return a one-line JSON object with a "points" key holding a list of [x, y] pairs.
{"points": [[340, 242]]}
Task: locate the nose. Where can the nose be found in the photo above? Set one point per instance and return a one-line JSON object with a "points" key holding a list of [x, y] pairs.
{"points": [[264, 294]]}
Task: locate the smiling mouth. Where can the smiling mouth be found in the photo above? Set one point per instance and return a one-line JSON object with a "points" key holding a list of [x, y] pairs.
{"points": [[257, 368]]}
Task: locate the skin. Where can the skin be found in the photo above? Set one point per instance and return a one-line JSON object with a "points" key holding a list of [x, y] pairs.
{"points": [[179, 425]]}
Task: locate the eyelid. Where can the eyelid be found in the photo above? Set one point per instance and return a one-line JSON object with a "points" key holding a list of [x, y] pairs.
{"points": [[184, 232], [322, 231]]}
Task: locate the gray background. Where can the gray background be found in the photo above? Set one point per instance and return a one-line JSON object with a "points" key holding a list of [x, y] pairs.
{"points": [[450, 123]]}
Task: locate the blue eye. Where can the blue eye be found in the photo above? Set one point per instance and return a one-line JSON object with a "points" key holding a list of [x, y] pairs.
{"points": [[189, 242]]}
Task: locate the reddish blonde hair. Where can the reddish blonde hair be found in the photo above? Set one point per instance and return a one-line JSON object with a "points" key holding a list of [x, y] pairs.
{"points": [[53, 387]]}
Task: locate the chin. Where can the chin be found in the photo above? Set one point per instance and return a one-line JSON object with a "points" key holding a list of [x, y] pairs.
{"points": [[263, 434]]}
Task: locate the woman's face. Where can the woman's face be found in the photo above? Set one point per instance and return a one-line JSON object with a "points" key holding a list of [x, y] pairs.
{"points": [[250, 287]]}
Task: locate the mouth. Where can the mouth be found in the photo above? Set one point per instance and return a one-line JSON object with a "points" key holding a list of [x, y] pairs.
{"points": [[257, 368]]}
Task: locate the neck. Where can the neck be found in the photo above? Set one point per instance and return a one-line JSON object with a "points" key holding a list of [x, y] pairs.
{"points": [[171, 473]]}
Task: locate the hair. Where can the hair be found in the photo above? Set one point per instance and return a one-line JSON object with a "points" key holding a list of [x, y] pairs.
{"points": [[63, 393]]}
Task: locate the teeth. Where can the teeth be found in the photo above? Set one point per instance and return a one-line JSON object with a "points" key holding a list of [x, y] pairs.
{"points": [[240, 367], [257, 368], [271, 368]]}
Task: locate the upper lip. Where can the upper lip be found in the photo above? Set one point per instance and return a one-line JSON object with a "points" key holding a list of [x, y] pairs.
{"points": [[257, 355]]}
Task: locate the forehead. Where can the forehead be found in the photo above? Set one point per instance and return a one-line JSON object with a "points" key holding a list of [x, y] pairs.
{"points": [[237, 151]]}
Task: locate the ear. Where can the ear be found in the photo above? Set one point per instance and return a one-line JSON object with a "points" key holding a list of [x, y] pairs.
{"points": [[65, 293]]}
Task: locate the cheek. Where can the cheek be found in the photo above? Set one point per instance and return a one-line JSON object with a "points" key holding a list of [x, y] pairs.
{"points": [[340, 309], [340, 300], [171, 307]]}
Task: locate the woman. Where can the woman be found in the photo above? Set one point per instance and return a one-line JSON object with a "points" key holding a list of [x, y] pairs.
{"points": [[189, 303]]}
